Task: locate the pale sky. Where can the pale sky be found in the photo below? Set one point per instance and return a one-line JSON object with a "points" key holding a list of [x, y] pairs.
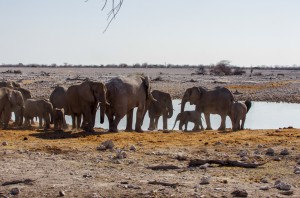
{"points": [[246, 32]]}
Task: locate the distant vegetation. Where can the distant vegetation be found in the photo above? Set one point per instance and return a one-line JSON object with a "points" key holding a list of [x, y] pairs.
{"points": [[221, 68]]}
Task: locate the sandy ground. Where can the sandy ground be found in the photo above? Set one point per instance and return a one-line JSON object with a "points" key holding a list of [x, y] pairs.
{"points": [[50, 162]]}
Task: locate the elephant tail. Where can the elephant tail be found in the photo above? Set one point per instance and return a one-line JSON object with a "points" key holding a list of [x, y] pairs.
{"points": [[248, 105]]}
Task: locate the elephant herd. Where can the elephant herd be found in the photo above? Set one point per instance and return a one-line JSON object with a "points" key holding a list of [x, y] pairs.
{"points": [[115, 99]]}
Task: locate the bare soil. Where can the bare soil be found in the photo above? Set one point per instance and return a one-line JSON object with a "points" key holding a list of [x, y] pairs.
{"points": [[70, 162]]}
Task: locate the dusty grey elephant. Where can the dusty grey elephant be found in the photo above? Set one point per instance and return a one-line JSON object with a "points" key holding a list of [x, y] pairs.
{"points": [[58, 100], [83, 100], [124, 94], [238, 114], [58, 118], [161, 107], [216, 101], [40, 108], [9, 84], [10, 100], [189, 116], [26, 95]]}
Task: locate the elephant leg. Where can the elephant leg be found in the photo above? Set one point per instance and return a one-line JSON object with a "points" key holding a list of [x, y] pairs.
{"points": [[115, 123], [156, 122], [40, 121], [186, 125], [78, 121], [129, 121], [6, 117], [180, 125], [151, 124], [207, 119], [222, 126], [47, 121], [196, 126], [73, 121], [65, 126], [165, 121], [139, 118], [243, 122]]}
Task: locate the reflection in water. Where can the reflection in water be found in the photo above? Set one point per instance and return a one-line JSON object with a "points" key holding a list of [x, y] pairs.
{"points": [[262, 115]]}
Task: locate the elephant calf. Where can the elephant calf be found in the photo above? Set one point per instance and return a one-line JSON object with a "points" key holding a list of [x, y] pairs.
{"points": [[40, 108], [189, 116], [58, 118], [238, 113]]}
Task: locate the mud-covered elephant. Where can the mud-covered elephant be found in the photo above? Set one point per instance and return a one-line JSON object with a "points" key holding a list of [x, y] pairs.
{"points": [[161, 107], [83, 99], [58, 118], [238, 114], [124, 94], [40, 108], [9, 84], [58, 98], [189, 116], [10, 100], [216, 101]]}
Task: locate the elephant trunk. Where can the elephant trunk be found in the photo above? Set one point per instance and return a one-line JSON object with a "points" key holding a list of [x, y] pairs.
{"points": [[170, 110], [248, 105], [102, 111], [175, 124], [183, 101]]}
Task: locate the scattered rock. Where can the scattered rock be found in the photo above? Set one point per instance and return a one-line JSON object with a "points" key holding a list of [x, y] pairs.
{"points": [[298, 162], [4, 143], [25, 138], [260, 146], [61, 193], [121, 154], [15, 191], [278, 130], [108, 144], [245, 158], [243, 153], [87, 175], [204, 180], [289, 192], [297, 170], [284, 152], [264, 180], [277, 159], [181, 157], [132, 148], [218, 143], [270, 152], [282, 186], [204, 166], [239, 193], [264, 188], [256, 152]]}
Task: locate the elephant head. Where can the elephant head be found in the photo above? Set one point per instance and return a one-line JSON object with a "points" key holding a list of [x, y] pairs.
{"points": [[148, 87], [95, 92], [192, 95]]}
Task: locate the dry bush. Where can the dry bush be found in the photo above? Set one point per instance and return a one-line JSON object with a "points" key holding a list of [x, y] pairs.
{"points": [[220, 70], [238, 71]]}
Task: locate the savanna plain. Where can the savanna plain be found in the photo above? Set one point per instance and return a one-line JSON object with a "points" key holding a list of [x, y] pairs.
{"points": [[38, 163]]}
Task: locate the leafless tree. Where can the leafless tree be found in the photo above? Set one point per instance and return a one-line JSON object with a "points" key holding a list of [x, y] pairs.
{"points": [[114, 10]]}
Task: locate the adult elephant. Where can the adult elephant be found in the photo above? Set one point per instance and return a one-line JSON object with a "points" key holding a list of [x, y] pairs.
{"points": [[124, 94], [58, 99], [161, 107], [10, 100], [84, 99], [216, 101]]}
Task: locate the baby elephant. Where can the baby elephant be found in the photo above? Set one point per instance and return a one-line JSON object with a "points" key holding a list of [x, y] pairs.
{"points": [[40, 108], [238, 113], [58, 118], [189, 116]]}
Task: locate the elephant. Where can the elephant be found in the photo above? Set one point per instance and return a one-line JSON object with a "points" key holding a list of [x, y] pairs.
{"points": [[162, 107], [238, 113], [26, 95], [58, 118], [83, 100], [216, 101], [10, 100], [189, 116], [58, 100], [124, 94], [40, 108], [9, 84]]}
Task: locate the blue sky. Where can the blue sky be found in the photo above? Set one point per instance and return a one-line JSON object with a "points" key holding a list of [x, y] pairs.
{"points": [[246, 32]]}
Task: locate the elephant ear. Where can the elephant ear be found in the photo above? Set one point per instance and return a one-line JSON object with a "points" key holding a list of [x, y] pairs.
{"points": [[12, 97], [85, 92]]}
